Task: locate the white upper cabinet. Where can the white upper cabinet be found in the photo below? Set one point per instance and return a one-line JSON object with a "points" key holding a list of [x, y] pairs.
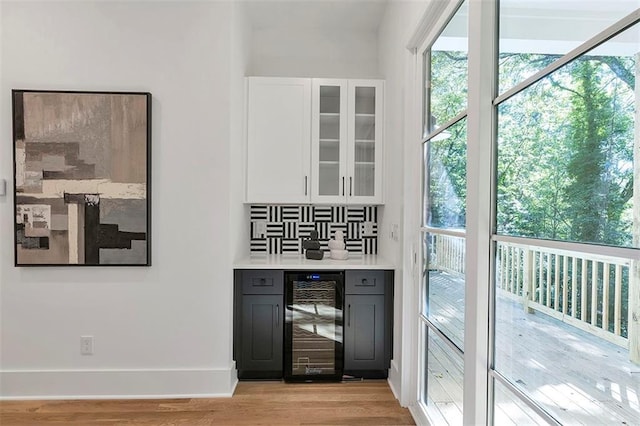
{"points": [[278, 135], [314, 141], [346, 141]]}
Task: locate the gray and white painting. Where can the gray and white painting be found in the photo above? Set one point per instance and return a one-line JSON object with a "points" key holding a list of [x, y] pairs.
{"points": [[81, 171]]}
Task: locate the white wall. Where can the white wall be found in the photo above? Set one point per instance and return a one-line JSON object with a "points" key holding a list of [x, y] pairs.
{"points": [[166, 330], [163, 330], [402, 183], [240, 56], [238, 212], [314, 52]]}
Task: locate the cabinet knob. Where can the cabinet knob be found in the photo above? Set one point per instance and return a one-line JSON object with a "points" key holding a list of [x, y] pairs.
{"points": [[260, 282]]}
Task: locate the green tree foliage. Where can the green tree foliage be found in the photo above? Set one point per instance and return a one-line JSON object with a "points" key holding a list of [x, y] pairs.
{"points": [[446, 180], [565, 163], [594, 196], [448, 88], [565, 148]]}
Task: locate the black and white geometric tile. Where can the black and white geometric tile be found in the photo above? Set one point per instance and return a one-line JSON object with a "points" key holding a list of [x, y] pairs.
{"points": [[274, 229], [305, 228], [258, 245], [275, 214], [281, 229], [258, 212], [291, 245], [291, 213], [322, 214]]}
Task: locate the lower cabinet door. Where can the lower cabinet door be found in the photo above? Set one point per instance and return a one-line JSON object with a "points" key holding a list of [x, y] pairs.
{"points": [[262, 335], [364, 332]]}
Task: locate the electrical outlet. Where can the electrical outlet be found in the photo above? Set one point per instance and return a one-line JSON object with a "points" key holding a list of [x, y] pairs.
{"points": [[86, 345], [395, 231], [367, 229], [260, 229]]}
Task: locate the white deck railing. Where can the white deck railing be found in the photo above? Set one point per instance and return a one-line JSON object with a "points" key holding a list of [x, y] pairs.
{"points": [[581, 289], [587, 291]]}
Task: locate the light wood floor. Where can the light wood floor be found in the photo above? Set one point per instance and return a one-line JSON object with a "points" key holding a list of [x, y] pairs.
{"points": [[253, 403]]}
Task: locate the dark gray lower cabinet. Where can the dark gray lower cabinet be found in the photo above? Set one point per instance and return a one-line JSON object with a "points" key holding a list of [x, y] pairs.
{"points": [[364, 332], [262, 333], [258, 324], [367, 325]]}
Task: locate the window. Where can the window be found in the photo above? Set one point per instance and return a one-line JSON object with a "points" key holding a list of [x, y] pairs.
{"points": [[444, 215], [565, 154], [563, 242], [565, 220]]}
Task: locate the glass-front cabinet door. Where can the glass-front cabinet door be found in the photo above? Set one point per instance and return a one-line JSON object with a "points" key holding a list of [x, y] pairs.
{"points": [[364, 141], [329, 139], [346, 141]]}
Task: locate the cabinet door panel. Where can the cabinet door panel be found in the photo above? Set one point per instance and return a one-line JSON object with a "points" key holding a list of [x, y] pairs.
{"points": [[262, 332], [365, 141], [279, 138], [329, 140], [364, 332]]}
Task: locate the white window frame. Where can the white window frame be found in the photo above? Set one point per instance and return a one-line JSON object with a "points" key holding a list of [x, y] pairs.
{"points": [[480, 132], [481, 235]]}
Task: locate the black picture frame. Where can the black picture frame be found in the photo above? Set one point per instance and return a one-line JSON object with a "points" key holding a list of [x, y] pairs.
{"points": [[81, 178]]}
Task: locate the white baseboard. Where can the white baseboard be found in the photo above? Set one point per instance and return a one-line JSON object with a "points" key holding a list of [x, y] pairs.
{"points": [[395, 380], [419, 415], [117, 384]]}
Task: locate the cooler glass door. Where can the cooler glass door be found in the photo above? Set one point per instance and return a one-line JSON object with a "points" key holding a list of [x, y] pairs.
{"points": [[313, 328]]}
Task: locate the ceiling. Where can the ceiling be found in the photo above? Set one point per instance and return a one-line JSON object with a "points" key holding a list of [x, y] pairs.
{"points": [[362, 15]]}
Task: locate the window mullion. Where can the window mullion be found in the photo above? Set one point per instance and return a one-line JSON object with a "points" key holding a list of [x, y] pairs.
{"points": [[481, 128]]}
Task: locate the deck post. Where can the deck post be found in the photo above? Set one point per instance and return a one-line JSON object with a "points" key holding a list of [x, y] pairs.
{"points": [[633, 331], [527, 280]]}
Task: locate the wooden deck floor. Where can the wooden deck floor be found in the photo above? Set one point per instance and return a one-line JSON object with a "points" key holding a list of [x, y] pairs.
{"points": [[576, 376]]}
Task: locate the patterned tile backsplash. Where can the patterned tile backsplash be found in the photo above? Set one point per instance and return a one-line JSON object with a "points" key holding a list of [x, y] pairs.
{"points": [[281, 229]]}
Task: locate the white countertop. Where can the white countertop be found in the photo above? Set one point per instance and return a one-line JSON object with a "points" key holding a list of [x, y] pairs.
{"points": [[299, 262]]}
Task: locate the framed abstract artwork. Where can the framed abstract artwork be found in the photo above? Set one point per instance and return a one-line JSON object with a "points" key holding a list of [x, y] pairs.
{"points": [[82, 177]]}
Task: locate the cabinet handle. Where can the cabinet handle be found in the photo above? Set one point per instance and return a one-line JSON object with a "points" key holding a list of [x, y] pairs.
{"points": [[277, 315], [350, 186], [349, 315], [305, 186], [343, 186]]}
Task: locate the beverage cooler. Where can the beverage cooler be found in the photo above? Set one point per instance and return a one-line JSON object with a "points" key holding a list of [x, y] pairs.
{"points": [[313, 326]]}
